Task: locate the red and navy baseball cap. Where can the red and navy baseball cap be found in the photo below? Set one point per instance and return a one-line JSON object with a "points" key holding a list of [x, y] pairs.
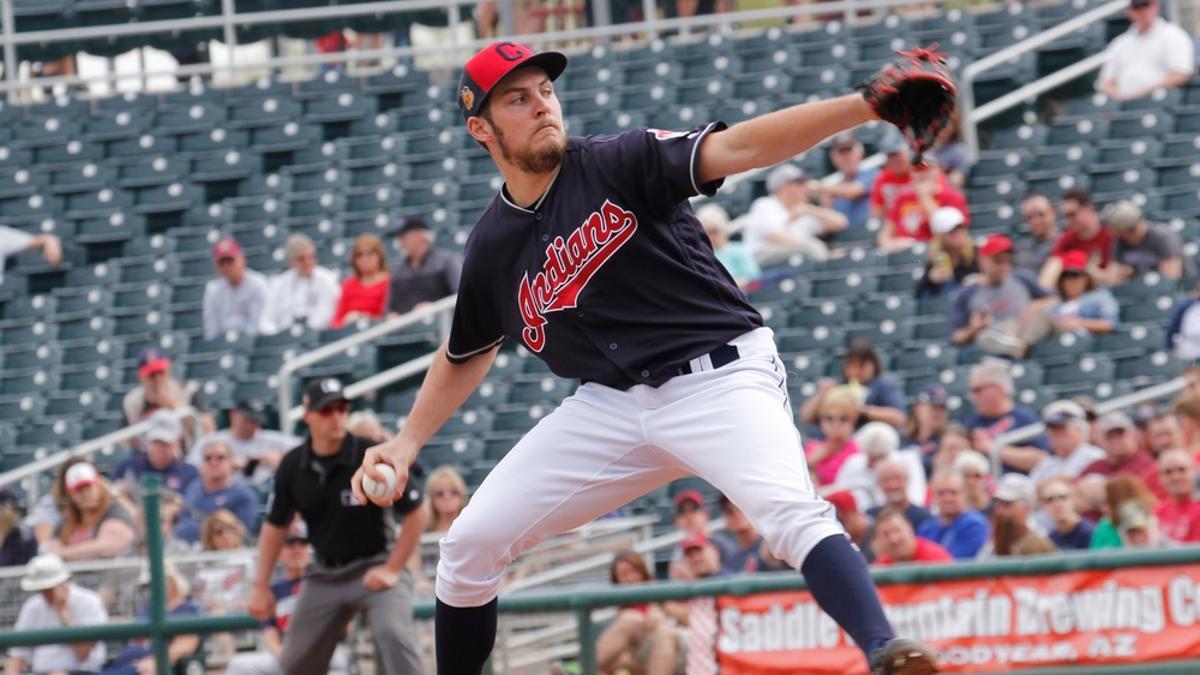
{"points": [[492, 63]]}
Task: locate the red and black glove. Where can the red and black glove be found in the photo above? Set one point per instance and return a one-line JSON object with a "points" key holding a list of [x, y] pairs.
{"points": [[917, 94]]}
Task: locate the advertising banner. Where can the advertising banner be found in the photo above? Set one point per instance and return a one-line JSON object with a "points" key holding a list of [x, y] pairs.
{"points": [[1100, 617]]}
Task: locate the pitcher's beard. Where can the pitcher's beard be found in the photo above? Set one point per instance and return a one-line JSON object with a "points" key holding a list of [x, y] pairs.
{"points": [[543, 158]]}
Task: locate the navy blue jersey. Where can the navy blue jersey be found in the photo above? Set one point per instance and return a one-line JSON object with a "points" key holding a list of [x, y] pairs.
{"points": [[609, 277]]}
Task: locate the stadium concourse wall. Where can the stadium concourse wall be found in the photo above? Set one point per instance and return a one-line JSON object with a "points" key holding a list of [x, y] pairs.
{"points": [[582, 602]]}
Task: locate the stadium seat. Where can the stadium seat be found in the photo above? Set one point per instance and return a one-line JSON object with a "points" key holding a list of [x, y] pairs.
{"points": [[821, 313]]}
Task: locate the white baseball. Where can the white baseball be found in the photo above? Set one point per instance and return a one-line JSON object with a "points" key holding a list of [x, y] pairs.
{"points": [[380, 489]]}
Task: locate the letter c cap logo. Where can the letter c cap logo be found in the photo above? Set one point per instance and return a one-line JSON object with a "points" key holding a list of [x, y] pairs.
{"points": [[510, 52]]}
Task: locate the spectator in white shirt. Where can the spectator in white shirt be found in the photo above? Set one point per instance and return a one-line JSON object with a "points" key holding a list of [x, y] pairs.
{"points": [[1152, 54], [307, 293], [256, 451], [13, 242], [233, 301], [58, 603], [879, 444], [1067, 428], [786, 222]]}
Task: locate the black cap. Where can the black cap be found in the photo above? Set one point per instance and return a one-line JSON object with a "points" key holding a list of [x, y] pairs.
{"points": [[407, 224], [253, 410], [1138, 4], [9, 497], [318, 394]]}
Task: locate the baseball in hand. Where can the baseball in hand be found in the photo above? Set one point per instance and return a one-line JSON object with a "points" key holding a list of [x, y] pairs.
{"points": [[380, 489]]}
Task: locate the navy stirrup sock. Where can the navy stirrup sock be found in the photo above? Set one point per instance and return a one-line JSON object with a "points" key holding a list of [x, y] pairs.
{"points": [[837, 577], [464, 637]]}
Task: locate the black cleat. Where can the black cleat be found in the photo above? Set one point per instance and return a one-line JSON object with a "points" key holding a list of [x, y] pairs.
{"points": [[903, 657]]}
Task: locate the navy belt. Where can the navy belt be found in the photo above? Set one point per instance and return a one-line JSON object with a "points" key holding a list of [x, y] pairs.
{"points": [[721, 356]]}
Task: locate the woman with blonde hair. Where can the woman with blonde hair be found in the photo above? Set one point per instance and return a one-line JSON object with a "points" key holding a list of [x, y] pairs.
{"points": [[364, 293], [645, 633], [837, 415], [224, 585], [95, 524], [447, 494]]}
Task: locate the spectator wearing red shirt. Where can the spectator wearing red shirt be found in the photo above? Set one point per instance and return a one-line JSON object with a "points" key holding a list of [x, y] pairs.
{"points": [[364, 294], [897, 173], [912, 210], [1179, 514], [1083, 232], [896, 542], [1120, 439]]}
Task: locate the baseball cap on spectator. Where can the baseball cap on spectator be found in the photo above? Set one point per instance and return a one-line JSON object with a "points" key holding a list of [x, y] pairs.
{"points": [[152, 360], [1145, 414], [492, 63], [252, 410], [784, 174], [408, 224], [843, 501], [322, 392], [844, 140], [995, 244], [1112, 421], [892, 143], [80, 475], [1133, 515], [44, 572], [1074, 261], [945, 219], [694, 540], [164, 427], [1138, 4], [1062, 413], [934, 394], [226, 248], [9, 497], [688, 496], [1015, 487], [297, 531], [1122, 215]]}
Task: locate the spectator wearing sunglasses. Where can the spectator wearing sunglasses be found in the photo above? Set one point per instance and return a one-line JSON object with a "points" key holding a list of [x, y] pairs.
{"points": [[1069, 531], [216, 489], [447, 494], [359, 558]]}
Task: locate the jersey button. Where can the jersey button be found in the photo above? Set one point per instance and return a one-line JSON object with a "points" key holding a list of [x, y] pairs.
{"points": [[645, 373], [537, 216], [545, 237], [612, 346]]}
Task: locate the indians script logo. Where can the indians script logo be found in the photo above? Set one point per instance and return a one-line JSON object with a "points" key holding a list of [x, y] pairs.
{"points": [[570, 265]]}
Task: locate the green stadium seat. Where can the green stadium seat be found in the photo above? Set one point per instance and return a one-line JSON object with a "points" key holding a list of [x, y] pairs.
{"points": [[1143, 369], [1140, 124], [57, 434], [147, 170], [806, 340], [453, 450], [17, 409], [1125, 182], [1062, 347], [92, 377], [821, 313], [90, 351], [887, 333], [927, 358], [343, 107], [27, 307], [1179, 172], [31, 381], [525, 390], [1092, 368], [1182, 202]]}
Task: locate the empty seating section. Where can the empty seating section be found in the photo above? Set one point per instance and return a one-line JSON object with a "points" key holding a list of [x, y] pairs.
{"points": [[139, 187]]}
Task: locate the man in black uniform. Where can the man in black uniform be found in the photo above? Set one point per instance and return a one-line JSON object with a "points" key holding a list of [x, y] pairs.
{"points": [[591, 258], [353, 570]]}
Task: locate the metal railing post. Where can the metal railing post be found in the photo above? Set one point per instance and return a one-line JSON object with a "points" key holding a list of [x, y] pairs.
{"points": [[966, 106], [587, 640], [230, 36], [158, 587], [8, 24]]}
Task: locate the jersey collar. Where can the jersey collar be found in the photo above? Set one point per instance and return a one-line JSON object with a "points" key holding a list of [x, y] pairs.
{"points": [[504, 194]]}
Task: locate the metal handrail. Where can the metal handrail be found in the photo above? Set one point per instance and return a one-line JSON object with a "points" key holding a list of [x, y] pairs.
{"points": [[86, 449], [973, 115], [439, 310]]}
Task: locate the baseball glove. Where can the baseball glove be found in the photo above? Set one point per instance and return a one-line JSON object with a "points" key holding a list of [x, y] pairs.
{"points": [[917, 94]]}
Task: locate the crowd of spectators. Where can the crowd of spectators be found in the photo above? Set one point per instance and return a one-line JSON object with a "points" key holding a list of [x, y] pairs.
{"points": [[244, 301]]}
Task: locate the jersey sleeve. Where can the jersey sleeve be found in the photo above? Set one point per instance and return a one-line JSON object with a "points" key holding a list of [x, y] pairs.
{"points": [[476, 327], [665, 164]]}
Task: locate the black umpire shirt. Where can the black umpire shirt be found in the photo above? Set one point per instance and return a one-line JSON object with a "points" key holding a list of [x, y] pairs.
{"points": [[341, 530], [609, 277]]}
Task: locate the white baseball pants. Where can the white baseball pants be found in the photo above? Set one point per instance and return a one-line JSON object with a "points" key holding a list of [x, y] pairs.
{"points": [[604, 447]]}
